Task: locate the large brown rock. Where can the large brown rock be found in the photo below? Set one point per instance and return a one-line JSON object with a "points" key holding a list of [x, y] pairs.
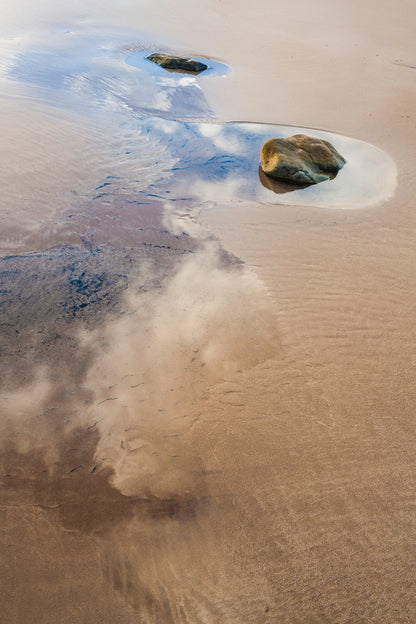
{"points": [[177, 63], [300, 159]]}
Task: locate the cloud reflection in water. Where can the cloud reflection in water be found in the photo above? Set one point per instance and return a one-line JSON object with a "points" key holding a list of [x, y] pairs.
{"points": [[220, 162], [215, 162]]}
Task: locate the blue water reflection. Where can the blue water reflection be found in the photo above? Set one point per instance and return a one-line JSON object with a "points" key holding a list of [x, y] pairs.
{"points": [[204, 160], [220, 163], [104, 70]]}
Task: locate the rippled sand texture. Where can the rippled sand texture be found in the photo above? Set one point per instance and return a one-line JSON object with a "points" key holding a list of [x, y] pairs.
{"points": [[207, 389]]}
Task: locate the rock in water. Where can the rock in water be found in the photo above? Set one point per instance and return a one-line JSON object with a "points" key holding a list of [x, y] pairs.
{"points": [[177, 63], [300, 159]]}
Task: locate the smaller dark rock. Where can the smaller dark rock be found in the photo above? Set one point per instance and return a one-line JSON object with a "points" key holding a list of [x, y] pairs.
{"points": [[177, 63]]}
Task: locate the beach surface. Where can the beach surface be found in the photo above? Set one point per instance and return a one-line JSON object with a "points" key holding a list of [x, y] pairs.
{"points": [[208, 388]]}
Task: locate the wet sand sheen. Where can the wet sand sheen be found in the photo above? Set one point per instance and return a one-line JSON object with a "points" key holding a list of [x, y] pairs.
{"points": [[224, 442]]}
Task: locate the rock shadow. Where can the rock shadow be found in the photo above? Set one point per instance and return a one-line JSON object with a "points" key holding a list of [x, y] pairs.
{"points": [[281, 186]]}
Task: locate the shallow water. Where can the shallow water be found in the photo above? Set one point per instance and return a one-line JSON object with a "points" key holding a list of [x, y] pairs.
{"points": [[206, 385], [222, 160]]}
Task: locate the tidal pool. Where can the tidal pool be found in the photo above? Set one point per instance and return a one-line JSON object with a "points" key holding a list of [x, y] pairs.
{"points": [[94, 73]]}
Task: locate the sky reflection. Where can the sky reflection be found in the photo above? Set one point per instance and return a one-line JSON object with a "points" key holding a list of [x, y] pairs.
{"points": [[220, 162], [102, 68], [87, 71]]}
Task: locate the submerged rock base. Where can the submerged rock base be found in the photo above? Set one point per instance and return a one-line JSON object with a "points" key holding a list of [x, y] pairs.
{"points": [[300, 159]]}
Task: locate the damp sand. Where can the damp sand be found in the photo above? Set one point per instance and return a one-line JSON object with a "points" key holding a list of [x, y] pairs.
{"points": [[207, 406]]}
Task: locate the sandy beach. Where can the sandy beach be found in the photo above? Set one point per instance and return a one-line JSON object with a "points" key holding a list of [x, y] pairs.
{"points": [[207, 389]]}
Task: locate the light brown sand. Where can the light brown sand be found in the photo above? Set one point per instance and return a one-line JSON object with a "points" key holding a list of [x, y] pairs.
{"points": [[242, 449]]}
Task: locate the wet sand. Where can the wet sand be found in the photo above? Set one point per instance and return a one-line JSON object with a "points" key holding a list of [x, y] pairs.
{"points": [[208, 408]]}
